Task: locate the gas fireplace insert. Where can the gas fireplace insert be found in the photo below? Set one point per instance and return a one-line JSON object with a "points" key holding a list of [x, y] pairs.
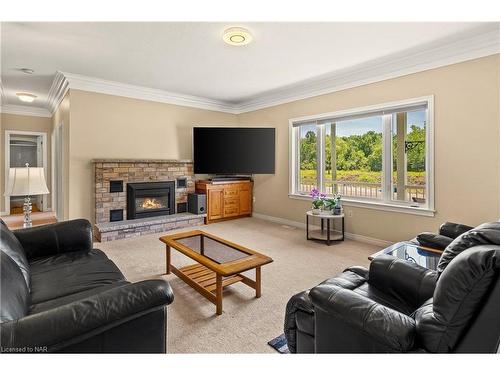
{"points": [[146, 199]]}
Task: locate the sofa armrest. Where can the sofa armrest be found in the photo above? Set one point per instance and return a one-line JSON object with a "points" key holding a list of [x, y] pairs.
{"points": [[433, 240], [68, 324], [372, 327], [63, 237], [403, 280], [453, 230]]}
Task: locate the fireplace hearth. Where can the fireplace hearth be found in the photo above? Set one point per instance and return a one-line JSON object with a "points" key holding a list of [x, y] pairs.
{"points": [[147, 199]]}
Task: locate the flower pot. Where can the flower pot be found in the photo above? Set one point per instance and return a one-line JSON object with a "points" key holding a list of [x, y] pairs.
{"points": [[316, 211]]}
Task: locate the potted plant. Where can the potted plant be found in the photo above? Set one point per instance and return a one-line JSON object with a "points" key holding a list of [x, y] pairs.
{"points": [[318, 201], [332, 204]]}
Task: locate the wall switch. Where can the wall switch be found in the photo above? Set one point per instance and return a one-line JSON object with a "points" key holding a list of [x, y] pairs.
{"points": [[253, 199]]}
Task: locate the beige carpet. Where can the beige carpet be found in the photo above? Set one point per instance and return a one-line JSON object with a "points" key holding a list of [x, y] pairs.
{"points": [[247, 323]]}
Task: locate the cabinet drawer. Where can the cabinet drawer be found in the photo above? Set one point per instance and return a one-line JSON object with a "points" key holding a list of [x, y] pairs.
{"points": [[230, 192], [231, 202], [231, 211]]}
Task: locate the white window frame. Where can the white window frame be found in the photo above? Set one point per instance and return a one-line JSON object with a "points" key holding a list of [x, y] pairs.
{"points": [[386, 203]]}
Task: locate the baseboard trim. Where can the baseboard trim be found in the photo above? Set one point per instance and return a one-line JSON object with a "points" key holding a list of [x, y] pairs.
{"points": [[297, 224]]}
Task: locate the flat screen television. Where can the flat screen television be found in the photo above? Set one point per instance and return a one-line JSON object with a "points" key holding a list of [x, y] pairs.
{"points": [[233, 151]]}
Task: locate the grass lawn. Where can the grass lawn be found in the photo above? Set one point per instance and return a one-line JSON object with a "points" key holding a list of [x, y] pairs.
{"points": [[414, 178]]}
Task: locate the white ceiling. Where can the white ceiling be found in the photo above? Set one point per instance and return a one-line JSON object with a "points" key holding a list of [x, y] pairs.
{"points": [[191, 58]]}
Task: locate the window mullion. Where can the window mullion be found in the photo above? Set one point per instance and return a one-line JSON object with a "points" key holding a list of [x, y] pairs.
{"points": [[386, 157], [296, 145], [320, 156]]}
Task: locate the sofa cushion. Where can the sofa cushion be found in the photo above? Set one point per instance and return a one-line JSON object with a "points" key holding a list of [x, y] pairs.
{"points": [[484, 234], [14, 291], [69, 273], [11, 246], [61, 301], [460, 291]]}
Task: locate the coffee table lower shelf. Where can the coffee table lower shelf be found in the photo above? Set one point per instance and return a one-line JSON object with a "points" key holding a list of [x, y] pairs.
{"points": [[210, 284]]}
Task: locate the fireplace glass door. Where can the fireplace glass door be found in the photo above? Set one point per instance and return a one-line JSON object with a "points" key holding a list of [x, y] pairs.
{"points": [[149, 203]]}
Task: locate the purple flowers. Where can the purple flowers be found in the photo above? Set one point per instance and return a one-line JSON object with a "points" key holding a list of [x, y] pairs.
{"points": [[317, 198], [316, 194]]}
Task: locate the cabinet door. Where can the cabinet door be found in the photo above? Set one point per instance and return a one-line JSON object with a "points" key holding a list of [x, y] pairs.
{"points": [[245, 200], [215, 204]]}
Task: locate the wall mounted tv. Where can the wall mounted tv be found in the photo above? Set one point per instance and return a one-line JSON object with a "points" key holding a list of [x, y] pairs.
{"points": [[233, 151]]}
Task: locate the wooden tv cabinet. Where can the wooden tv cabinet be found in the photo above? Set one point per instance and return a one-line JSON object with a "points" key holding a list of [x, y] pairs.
{"points": [[226, 200]]}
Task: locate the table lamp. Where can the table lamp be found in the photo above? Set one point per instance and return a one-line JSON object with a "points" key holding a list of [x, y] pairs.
{"points": [[26, 182]]}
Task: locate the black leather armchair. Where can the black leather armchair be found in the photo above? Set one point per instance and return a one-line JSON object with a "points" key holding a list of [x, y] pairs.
{"points": [[398, 306], [58, 294]]}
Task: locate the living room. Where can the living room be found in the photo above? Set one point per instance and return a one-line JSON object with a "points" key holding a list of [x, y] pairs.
{"points": [[154, 204]]}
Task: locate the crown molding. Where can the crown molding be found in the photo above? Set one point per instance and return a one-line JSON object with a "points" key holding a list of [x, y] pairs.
{"points": [[25, 110], [472, 44], [3, 98], [84, 83], [58, 90]]}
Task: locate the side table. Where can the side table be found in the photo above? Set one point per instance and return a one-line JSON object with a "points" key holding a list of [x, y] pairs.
{"points": [[38, 218], [412, 252], [327, 234]]}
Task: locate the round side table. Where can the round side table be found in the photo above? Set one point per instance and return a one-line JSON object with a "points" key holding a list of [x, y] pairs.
{"points": [[325, 234]]}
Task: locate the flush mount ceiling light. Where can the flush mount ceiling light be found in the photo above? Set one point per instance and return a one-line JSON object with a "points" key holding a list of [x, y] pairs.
{"points": [[237, 36], [26, 97]]}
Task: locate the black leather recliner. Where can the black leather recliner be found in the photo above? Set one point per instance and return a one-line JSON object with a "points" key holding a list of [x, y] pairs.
{"points": [[398, 306], [58, 294]]}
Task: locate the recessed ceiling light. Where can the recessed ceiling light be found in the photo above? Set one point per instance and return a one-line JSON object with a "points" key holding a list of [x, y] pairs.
{"points": [[237, 36], [26, 97], [27, 70]]}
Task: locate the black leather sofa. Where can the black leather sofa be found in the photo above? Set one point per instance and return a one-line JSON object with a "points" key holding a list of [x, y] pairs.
{"points": [[398, 306], [58, 294]]}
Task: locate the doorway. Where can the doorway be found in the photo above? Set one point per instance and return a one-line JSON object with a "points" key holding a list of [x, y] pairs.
{"points": [[23, 147]]}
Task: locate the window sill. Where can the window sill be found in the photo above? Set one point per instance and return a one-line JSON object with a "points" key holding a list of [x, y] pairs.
{"points": [[376, 206]]}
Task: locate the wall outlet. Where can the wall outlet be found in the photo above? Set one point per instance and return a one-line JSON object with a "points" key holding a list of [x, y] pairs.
{"points": [[349, 213]]}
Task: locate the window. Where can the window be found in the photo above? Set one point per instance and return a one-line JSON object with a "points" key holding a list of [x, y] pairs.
{"points": [[376, 155]]}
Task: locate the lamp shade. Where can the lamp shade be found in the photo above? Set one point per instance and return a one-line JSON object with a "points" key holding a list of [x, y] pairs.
{"points": [[26, 181]]}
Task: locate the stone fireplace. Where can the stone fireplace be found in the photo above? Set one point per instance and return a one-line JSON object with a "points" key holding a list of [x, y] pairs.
{"points": [[134, 197]]}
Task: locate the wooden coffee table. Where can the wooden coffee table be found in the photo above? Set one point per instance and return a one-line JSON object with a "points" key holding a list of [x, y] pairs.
{"points": [[219, 263]]}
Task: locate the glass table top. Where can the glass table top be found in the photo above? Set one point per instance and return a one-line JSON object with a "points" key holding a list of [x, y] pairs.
{"points": [[217, 251], [415, 254]]}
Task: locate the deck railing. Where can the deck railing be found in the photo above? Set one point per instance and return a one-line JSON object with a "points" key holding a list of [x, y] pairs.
{"points": [[414, 193]]}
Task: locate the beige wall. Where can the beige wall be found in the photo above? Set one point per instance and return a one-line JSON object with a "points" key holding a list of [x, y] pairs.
{"points": [[467, 144], [104, 126], [467, 166], [23, 123]]}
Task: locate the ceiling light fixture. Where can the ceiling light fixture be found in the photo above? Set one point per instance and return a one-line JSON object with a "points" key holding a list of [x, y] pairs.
{"points": [[26, 97], [237, 36]]}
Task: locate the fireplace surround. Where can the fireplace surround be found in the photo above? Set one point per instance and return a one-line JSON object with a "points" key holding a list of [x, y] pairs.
{"points": [[147, 199], [112, 178]]}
